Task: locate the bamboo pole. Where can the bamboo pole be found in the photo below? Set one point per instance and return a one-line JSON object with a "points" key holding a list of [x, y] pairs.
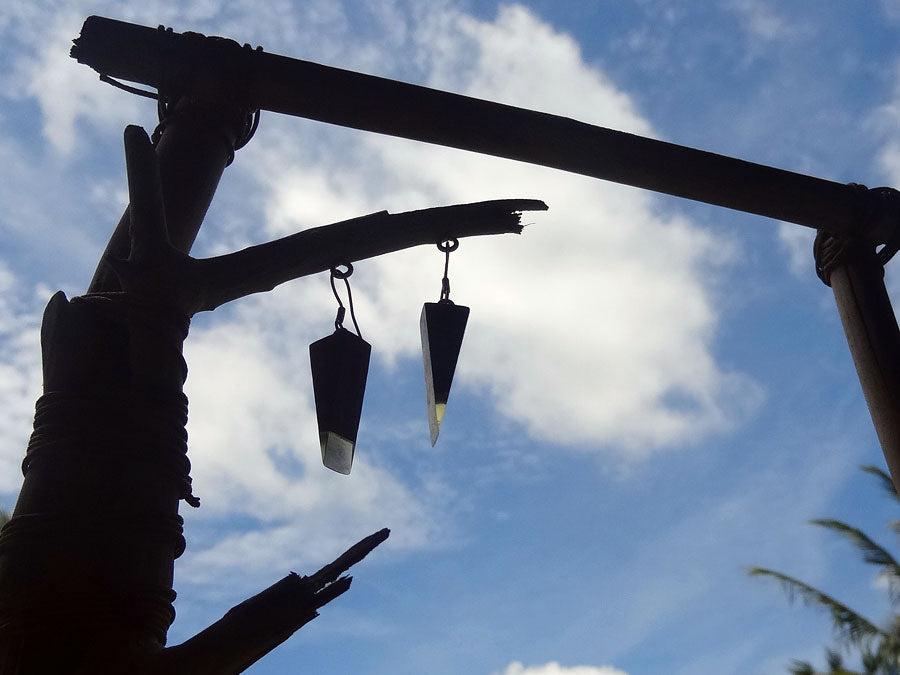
{"points": [[873, 337]]}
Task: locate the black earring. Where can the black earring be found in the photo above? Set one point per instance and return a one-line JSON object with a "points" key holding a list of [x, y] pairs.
{"points": [[443, 325], [340, 366]]}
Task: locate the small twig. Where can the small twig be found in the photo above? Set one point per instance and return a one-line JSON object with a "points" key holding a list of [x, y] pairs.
{"points": [[353, 555], [253, 628]]}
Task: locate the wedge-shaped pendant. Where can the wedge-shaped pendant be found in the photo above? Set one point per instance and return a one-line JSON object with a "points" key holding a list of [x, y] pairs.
{"points": [[443, 325], [340, 365]]}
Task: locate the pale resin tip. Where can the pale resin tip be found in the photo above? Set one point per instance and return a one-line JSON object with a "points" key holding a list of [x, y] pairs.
{"points": [[337, 452], [435, 417]]}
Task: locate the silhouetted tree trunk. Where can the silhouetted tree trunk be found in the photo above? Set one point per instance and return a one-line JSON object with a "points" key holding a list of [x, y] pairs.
{"points": [[87, 559], [86, 562]]}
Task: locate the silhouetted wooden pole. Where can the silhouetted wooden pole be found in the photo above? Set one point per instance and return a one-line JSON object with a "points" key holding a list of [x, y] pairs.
{"points": [[856, 276], [86, 563]]}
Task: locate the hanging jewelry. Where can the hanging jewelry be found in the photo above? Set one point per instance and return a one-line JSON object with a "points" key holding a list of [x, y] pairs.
{"points": [[443, 325], [340, 366]]}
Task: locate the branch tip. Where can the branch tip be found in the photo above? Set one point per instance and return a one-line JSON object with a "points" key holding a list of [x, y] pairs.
{"points": [[329, 573], [331, 591]]}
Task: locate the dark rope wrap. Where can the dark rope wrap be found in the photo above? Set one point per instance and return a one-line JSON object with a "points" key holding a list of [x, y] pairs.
{"points": [[124, 428], [139, 434], [169, 527], [146, 608], [247, 120], [831, 251]]}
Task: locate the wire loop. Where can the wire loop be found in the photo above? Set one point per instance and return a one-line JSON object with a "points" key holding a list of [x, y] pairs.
{"points": [[131, 90], [342, 312], [446, 247], [338, 274]]}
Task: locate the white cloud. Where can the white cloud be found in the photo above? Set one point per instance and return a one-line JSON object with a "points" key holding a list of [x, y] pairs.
{"points": [[553, 668], [596, 327], [884, 122], [797, 242], [521, 60], [762, 21], [706, 550], [254, 449], [20, 373], [66, 91], [891, 8]]}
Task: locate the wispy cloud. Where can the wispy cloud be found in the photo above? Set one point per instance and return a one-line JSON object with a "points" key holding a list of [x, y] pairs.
{"points": [[20, 374], [891, 9], [553, 668], [762, 20], [884, 123], [67, 92], [796, 242]]}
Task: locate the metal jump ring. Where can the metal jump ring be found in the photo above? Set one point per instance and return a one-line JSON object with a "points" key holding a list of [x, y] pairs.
{"points": [[448, 245], [337, 274]]}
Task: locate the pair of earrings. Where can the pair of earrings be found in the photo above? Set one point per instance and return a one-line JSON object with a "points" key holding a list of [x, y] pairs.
{"points": [[340, 367]]}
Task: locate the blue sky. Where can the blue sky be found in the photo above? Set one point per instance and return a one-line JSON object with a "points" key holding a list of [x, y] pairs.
{"points": [[651, 395]]}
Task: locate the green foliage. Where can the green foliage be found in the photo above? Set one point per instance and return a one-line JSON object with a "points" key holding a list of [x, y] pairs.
{"points": [[849, 624], [801, 668], [878, 648]]}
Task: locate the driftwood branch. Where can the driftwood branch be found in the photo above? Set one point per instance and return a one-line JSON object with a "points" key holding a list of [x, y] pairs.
{"points": [[255, 627], [158, 271], [261, 268]]}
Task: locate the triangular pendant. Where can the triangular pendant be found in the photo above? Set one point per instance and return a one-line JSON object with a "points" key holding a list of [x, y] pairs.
{"points": [[340, 366], [443, 325]]}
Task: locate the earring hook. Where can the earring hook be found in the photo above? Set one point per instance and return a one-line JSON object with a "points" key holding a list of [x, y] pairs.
{"points": [[447, 246], [341, 312]]}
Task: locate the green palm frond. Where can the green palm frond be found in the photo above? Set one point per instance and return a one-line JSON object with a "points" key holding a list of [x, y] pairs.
{"points": [[884, 480], [878, 648], [893, 626], [885, 659], [834, 660], [849, 624], [882, 661], [872, 552], [836, 664]]}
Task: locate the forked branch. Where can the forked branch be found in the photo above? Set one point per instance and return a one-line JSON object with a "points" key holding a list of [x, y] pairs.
{"points": [[255, 627], [157, 269]]}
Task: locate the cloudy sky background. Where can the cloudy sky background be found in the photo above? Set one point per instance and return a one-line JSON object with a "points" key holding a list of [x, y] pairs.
{"points": [[652, 393]]}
